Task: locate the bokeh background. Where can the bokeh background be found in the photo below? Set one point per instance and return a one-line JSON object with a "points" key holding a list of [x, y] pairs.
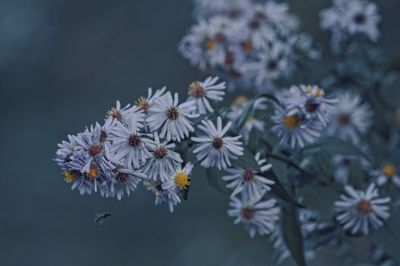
{"points": [[63, 63]]}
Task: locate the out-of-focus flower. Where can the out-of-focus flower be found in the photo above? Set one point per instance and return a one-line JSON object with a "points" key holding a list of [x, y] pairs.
{"points": [[292, 127], [387, 173], [357, 210], [214, 148], [313, 102], [352, 119], [172, 118], [349, 17], [258, 217]]}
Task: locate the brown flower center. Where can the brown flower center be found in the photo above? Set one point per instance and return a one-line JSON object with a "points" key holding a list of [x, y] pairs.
{"points": [[217, 143], [103, 136], [114, 113], [247, 213], [344, 119], [134, 140], [363, 207], [172, 113], [196, 90], [122, 177], [160, 152], [248, 175], [93, 172], [94, 150], [311, 106], [247, 45]]}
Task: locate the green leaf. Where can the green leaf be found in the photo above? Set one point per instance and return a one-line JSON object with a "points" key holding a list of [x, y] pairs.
{"points": [[214, 178], [388, 236], [292, 233], [334, 146], [246, 113], [279, 190]]}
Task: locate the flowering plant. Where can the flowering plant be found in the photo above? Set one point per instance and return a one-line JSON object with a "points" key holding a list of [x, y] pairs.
{"points": [[309, 165]]}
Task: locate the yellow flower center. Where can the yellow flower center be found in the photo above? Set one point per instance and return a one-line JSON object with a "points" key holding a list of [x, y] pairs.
{"points": [[240, 101], [210, 44], [389, 170], [291, 121], [143, 104], [93, 172], [182, 180], [70, 176], [315, 90]]}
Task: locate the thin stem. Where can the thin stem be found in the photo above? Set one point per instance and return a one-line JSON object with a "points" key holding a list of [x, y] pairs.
{"points": [[289, 162]]}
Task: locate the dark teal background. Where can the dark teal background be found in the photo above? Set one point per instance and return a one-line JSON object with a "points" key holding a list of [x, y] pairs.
{"points": [[63, 63]]}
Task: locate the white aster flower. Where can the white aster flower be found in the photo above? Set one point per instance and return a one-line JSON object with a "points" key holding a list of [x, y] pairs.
{"points": [[349, 17], [180, 180], [202, 92], [249, 182], [292, 127], [214, 148], [121, 181], [126, 113], [258, 217], [275, 63], [145, 104], [388, 173], [313, 102], [129, 147], [357, 210], [171, 117], [163, 195], [352, 119], [163, 161]]}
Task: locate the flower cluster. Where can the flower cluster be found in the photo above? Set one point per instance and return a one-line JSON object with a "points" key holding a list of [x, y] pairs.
{"points": [[310, 165], [253, 44], [301, 115], [349, 17], [144, 142]]}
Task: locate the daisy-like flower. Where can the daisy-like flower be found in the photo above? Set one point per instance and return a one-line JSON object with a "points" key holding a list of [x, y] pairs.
{"points": [[273, 64], [91, 142], [249, 182], [357, 210], [181, 179], [163, 161], [351, 119], [163, 195], [313, 102], [292, 127], [214, 148], [202, 92], [145, 104], [83, 176], [252, 122], [349, 17], [258, 217], [388, 173], [130, 148], [126, 113], [172, 118], [66, 149], [121, 181]]}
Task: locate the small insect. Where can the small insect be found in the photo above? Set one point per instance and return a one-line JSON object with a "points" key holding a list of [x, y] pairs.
{"points": [[100, 218]]}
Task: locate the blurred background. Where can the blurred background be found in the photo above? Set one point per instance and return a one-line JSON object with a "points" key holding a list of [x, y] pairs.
{"points": [[63, 63]]}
